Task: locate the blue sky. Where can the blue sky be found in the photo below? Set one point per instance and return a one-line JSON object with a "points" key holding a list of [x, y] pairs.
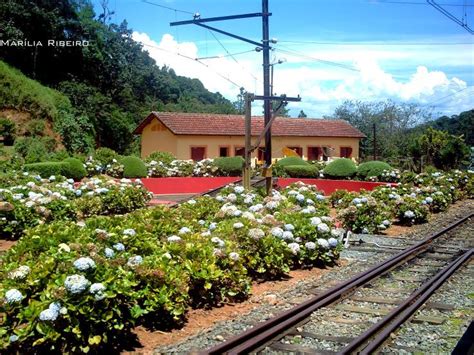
{"points": [[381, 49]]}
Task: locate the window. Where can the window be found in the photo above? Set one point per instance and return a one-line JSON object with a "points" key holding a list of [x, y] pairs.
{"points": [[239, 152], [345, 152], [297, 150], [315, 153], [198, 153], [223, 151]]}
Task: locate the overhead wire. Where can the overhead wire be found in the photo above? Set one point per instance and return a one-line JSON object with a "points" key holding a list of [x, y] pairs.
{"points": [[413, 3], [195, 60], [324, 61], [167, 7], [445, 97], [378, 43]]}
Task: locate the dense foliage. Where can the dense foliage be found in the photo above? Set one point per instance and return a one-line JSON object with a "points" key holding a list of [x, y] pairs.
{"points": [[95, 280], [372, 168], [111, 83], [340, 168]]}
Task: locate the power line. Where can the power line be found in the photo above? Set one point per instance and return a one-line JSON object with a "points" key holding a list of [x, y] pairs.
{"points": [[225, 55], [380, 43], [232, 56], [328, 62], [167, 7], [195, 60], [451, 16], [445, 97], [414, 3]]}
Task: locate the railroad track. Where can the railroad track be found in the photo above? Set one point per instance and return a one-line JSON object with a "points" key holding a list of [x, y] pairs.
{"points": [[378, 301]]}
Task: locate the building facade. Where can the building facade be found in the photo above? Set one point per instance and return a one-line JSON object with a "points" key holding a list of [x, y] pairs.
{"points": [[199, 136]]}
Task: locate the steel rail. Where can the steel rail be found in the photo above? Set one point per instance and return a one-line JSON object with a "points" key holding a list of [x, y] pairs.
{"points": [[425, 289], [259, 335], [403, 312]]}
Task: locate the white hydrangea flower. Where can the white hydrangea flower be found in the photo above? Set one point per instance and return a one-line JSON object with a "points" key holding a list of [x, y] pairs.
{"points": [[134, 261], [295, 248], [409, 214], [202, 222], [310, 245], [300, 197], [308, 210], [238, 225], [97, 289], [287, 235], [205, 234], [131, 232], [429, 199], [239, 189], [84, 264], [13, 338], [184, 230], [271, 205], [365, 230], [323, 228], [256, 233], [119, 247], [289, 227], [309, 201], [48, 315], [231, 197], [13, 296], [256, 208], [220, 243], [234, 256], [174, 239], [315, 221], [237, 213], [76, 283], [386, 222], [109, 253], [323, 243], [220, 198], [320, 197], [248, 215], [277, 232], [192, 202], [20, 273]]}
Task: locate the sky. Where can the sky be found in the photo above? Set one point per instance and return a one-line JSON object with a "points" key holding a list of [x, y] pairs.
{"points": [[326, 51]]}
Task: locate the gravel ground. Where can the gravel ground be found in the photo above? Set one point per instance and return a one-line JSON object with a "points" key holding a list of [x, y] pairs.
{"points": [[357, 261]]}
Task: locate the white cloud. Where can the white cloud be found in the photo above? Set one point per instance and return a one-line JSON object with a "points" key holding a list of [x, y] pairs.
{"points": [[324, 87]]}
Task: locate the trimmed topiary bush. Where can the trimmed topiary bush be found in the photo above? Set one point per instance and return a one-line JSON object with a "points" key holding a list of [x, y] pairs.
{"points": [[229, 166], [372, 168], [291, 161], [302, 171], [47, 168], [340, 168], [133, 167], [74, 169]]}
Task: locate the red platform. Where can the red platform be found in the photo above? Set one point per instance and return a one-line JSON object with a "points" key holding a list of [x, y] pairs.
{"points": [[185, 185], [329, 186]]}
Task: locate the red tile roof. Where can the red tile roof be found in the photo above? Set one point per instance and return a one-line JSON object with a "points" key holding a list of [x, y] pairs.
{"points": [[233, 125]]}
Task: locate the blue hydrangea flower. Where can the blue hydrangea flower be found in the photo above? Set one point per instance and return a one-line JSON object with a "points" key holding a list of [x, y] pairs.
{"points": [[238, 225], [109, 253], [320, 197], [134, 261], [323, 228], [220, 243], [289, 227], [277, 232], [429, 199], [119, 247], [76, 283], [239, 189], [332, 242], [315, 221], [256, 233], [234, 256], [131, 232], [310, 245], [184, 230], [48, 315], [213, 226], [78, 192], [300, 197], [97, 289], [287, 235], [13, 296], [174, 239], [13, 338], [84, 264]]}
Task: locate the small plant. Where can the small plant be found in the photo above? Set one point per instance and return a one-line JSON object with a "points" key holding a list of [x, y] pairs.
{"points": [[229, 166], [302, 171], [133, 167], [74, 169], [7, 131], [372, 169], [340, 168], [105, 155]]}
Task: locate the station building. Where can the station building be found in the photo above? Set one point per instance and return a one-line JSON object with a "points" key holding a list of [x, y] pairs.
{"points": [[198, 136]]}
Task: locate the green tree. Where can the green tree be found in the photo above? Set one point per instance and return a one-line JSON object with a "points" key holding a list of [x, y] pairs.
{"points": [[302, 114]]}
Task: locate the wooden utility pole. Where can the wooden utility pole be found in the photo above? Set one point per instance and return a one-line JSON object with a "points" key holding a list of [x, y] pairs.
{"points": [[375, 142], [248, 136]]}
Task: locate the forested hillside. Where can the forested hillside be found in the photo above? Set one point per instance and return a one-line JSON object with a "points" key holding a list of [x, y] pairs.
{"points": [[111, 83]]}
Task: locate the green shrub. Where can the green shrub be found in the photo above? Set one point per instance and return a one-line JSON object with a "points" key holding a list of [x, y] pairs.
{"points": [[7, 130], [165, 157], [35, 128], [106, 155], [230, 166], [133, 167], [74, 169], [302, 171], [291, 161], [372, 168], [340, 168], [47, 168]]}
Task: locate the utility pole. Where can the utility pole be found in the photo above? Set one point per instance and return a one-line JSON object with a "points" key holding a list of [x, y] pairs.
{"points": [[375, 142], [267, 167], [267, 97], [248, 136]]}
